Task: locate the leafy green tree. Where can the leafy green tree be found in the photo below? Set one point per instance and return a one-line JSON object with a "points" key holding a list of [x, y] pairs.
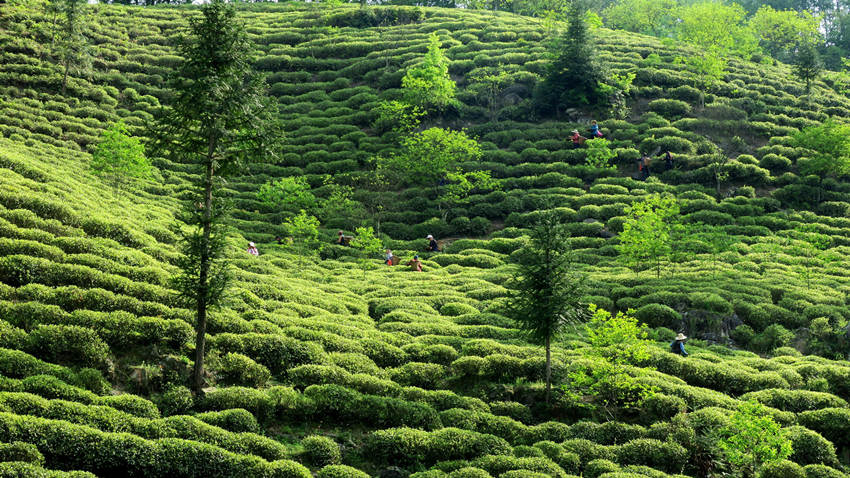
{"points": [[807, 64], [607, 379], [220, 116], [718, 164], [372, 190], [338, 208], [428, 85], [718, 30], [304, 231], [289, 193], [829, 143], [780, 31], [716, 26], [548, 288], [72, 46], [120, 158], [397, 116], [370, 247], [650, 17], [460, 185], [753, 438], [599, 154], [427, 156], [646, 236], [489, 86], [573, 78], [708, 67]]}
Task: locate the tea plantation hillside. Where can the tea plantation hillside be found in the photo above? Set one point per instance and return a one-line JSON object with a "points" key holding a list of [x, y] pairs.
{"points": [[335, 368]]}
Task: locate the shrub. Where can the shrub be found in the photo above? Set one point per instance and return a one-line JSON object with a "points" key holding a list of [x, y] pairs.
{"points": [[659, 315], [771, 337], [132, 404], [255, 401], [667, 456], [320, 451], [597, 467], [69, 344], [515, 410], [454, 309], [795, 400], [454, 443], [176, 400], [810, 448], [341, 471], [469, 472], [20, 451], [417, 374], [669, 108], [91, 379], [237, 420], [397, 446], [660, 407], [781, 469], [822, 471]]}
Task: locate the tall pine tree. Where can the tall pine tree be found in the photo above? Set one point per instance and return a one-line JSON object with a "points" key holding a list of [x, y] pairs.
{"points": [[548, 289], [573, 78], [807, 64], [220, 117]]}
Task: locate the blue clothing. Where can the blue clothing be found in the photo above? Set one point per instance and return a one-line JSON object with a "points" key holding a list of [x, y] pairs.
{"points": [[678, 347], [594, 130]]}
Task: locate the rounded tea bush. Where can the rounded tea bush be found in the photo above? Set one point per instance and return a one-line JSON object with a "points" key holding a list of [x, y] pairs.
{"points": [[670, 108], [320, 451], [20, 451], [659, 315], [469, 472], [238, 369], [782, 469], [177, 400], [822, 471], [454, 309], [597, 467], [341, 471]]}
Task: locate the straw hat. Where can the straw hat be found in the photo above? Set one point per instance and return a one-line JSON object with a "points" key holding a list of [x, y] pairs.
{"points": [[681, 336], [575, 131]]}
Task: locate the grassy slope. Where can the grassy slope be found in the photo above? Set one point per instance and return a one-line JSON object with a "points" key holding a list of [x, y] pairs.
{"points": [[386, 332]]}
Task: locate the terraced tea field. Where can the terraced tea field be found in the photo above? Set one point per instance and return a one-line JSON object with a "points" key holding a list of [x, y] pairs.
{"points": [[319, 365]]}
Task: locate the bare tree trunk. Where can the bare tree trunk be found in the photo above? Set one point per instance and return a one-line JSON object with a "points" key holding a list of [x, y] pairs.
{"points": [[203, 281], [548, 369], [65, 76]]}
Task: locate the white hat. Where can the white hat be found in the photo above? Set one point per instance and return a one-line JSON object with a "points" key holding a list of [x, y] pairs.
{"points": [[251, 244], [429, 236], [681, 336]]}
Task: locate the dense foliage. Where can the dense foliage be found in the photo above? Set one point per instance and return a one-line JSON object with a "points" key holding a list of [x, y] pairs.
{"points": [[323, 360]]}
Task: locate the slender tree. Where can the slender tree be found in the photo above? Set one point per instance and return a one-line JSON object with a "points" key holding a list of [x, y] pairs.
{"points": [[647, 232], [72, 47], [220, 117], [807, 64], [547, 292], [573, 78]]}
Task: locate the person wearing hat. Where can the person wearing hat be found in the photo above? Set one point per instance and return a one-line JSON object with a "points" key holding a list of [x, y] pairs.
{"points": [[432, 244], [252, 249], [415, 264], [678, 345], [577, 139]]}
